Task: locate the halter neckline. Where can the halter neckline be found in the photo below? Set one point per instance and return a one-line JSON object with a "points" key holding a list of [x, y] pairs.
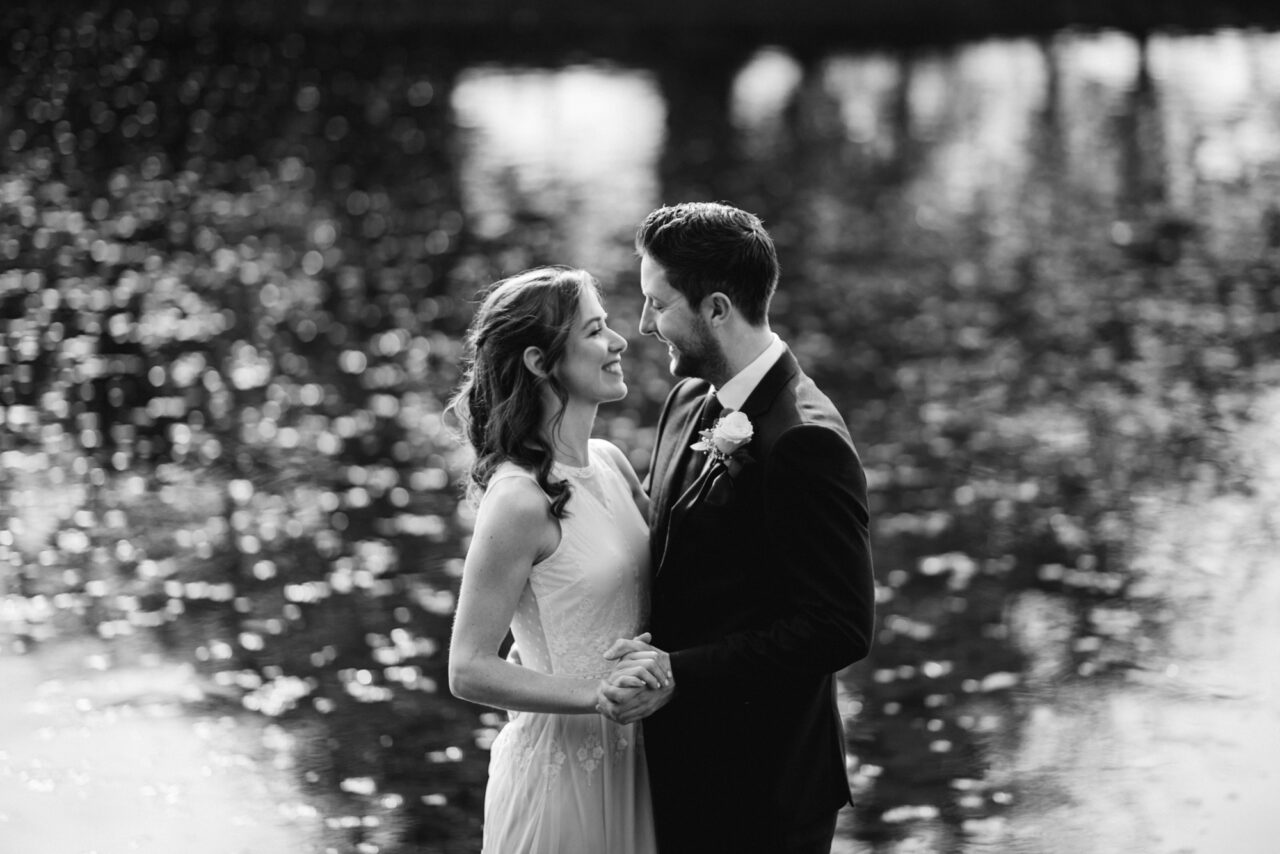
{"points": [[573, 471]]}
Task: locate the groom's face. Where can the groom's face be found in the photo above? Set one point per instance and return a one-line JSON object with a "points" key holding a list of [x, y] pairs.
{"points": [[668, 316]]}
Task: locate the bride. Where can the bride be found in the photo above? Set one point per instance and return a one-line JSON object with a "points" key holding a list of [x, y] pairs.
{"points": [[560, 555]]}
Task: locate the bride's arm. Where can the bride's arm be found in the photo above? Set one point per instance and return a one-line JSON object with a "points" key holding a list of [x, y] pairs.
{"points": [[513, 531]]}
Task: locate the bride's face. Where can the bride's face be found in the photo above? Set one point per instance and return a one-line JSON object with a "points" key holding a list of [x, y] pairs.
{"points": [[591, 368]]}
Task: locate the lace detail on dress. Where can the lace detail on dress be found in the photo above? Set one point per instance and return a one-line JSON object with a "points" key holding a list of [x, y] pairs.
{"points": [[621, 742], [529, 744], [524, 747], [583, 632], [589, 756], [554, 766]]}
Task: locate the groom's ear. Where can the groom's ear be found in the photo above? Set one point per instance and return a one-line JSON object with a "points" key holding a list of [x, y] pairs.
{"points": [[533, 360], [718, 307]]}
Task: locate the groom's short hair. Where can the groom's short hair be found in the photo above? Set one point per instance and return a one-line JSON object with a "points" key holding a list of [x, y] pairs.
{"points": [[705, 247]]}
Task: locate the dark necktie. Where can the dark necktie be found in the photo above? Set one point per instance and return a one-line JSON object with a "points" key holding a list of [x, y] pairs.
{"points": [[694, 460], [711, 409]]}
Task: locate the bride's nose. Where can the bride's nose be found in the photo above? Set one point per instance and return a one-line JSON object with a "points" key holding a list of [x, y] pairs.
{"points": [[618, 344]]}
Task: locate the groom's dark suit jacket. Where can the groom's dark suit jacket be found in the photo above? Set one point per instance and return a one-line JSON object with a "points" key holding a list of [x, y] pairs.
{"points": [[762, 590]]}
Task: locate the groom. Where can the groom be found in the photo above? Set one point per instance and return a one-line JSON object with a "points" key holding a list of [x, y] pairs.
{"points": [[762, 586]]}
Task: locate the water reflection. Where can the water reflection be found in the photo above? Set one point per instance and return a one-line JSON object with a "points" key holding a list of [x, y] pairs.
{"points": [[130, 758], [1039, 278], [1186, 740], [761, 94], [574, 149]]}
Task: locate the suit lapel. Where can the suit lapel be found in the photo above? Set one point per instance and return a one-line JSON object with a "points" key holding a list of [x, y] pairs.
{"points": [[676, 456], [674, 507]]}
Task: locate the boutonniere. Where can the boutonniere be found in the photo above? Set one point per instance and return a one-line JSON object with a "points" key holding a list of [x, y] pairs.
{"points": [[725, 440]]}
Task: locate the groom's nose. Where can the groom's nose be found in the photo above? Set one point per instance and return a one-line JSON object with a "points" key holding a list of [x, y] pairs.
{"points": [[647, 326]]}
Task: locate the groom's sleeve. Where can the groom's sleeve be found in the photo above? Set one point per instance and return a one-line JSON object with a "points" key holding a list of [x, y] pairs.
{"points": [[818, 544]]}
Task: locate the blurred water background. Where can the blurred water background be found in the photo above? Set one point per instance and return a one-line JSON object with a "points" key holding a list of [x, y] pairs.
{"points": [[1035, 265]]}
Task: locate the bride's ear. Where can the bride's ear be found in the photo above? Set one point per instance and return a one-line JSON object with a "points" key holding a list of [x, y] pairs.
{"points": [[533, 360]]}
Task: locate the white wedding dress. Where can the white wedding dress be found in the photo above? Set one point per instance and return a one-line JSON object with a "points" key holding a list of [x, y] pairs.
{"points": [[576, 784]]}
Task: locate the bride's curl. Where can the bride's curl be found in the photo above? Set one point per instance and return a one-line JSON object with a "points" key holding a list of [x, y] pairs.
{"points": [[499, 403]]}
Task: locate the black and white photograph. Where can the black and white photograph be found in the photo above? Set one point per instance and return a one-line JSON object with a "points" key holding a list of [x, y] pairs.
{"points": [[680, 427]]}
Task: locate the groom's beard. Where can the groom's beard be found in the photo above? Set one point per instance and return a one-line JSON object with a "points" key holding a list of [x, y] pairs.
{"points": [[700, 356]]}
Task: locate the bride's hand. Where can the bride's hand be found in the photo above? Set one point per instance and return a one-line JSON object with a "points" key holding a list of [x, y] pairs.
{"points": [[628, 705], [615, 691]]}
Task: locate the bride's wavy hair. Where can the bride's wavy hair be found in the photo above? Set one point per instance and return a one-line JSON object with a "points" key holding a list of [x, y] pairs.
{"points": [[498, 404]]}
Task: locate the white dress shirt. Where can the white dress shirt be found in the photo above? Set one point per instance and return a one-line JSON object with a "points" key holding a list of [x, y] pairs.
{"points": [[736, 391]]}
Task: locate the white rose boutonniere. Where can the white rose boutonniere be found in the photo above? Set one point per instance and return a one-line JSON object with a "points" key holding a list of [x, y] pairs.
{"points": [[726, 438]]}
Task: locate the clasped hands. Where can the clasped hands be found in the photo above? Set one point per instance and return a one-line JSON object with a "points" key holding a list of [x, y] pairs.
{"points": [[641, 681]]}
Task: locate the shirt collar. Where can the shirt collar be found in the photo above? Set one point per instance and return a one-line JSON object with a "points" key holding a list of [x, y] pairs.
{"points": [[735, 392]]}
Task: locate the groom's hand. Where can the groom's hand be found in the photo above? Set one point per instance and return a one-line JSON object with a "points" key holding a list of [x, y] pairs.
{"points": [[638, 650]]}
